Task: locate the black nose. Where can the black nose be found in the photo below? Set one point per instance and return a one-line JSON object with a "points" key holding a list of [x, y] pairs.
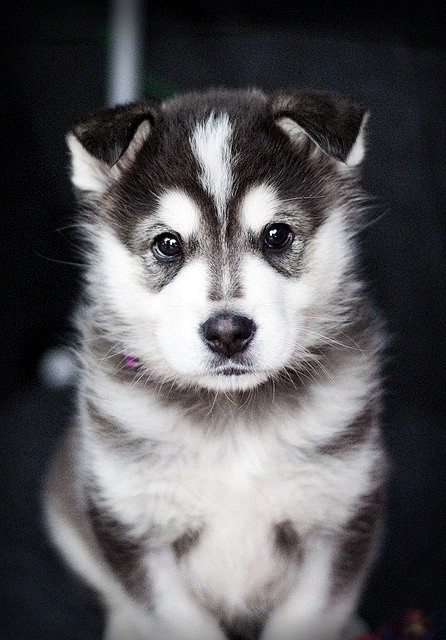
{"points": [[228, 333]]}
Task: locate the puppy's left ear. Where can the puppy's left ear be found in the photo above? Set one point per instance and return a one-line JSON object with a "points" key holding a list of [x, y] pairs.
{"points": [[332, 122]]}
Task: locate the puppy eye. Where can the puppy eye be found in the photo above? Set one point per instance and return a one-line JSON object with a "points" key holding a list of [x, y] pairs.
{"points": [[167, 247], [277, 236]]}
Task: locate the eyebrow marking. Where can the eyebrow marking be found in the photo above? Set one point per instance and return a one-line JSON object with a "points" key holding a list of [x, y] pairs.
{"points": [[179, 212], [258, 207]]}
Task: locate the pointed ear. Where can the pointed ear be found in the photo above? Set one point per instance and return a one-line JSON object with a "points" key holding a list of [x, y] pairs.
{"points": [[334, 123], [105, 144]]}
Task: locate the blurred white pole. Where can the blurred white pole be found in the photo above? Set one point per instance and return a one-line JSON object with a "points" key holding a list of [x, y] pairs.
{"points": [[125, 51]]}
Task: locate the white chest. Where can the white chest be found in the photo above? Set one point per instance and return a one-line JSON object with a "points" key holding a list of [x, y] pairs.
{"points": [[250, 477], [226, 493]]}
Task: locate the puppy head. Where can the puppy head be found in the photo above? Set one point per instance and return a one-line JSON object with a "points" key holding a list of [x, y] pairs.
{"points": [[221, 225]]}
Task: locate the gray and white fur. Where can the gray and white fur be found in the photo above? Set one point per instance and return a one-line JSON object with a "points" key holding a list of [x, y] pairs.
{"points": [[224, 476]]}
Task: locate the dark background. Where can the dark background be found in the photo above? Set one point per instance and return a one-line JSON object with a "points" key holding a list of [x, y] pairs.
{"points": [[53, 69]]}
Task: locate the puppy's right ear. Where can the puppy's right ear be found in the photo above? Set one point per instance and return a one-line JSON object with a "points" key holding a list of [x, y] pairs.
{"points": [[106, 143]]}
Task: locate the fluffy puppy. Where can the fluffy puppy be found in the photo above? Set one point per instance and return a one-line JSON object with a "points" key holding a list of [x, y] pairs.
{"points": [[223, 478]]}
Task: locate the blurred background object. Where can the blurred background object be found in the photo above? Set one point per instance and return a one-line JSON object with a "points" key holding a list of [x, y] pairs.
{"points": [[61, 60]]}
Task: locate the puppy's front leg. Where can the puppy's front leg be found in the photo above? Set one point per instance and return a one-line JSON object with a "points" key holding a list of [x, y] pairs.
{"points": [[176, 614], [145, 595], [170, 614], [314, 610]]}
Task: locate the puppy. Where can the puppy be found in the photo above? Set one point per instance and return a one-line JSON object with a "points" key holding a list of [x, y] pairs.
{"points": [[224, 475]]}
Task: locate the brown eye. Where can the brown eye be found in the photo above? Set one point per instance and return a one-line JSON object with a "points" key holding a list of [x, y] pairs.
{"points": [[167, 247], [277, 237]]}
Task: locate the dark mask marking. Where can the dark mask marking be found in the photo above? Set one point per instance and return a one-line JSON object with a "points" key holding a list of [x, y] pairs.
{"points": [[115, 435], [185, 543], [356, 434], [357, 542], [231, 264], [243, 628], [287, 540]]}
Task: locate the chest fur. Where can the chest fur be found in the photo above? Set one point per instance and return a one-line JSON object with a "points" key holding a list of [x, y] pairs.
{"points": [[221, 512], [247, 482]]}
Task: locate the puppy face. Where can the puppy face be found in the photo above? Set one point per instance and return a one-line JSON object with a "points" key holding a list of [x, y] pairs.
{"points": [[221, 230]]}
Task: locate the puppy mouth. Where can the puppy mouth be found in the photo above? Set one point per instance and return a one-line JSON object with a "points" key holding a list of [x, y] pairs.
{"points": [[233, 377], [232, 371]]}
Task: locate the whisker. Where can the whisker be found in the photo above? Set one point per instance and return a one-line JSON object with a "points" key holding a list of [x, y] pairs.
{"points": [[57, 261], [327, 340], [297, 198]]}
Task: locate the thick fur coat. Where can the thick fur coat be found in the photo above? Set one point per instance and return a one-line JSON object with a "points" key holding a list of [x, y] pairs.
{"points": [[224, 475]]}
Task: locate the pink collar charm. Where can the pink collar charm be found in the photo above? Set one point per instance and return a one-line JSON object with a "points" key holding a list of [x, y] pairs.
{"points": [[130, 361]]}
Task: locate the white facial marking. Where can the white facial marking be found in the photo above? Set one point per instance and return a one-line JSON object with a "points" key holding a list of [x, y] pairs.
{"points": [[264, 301], [166, 325], [328, 259], [179, 212], [259, 206], [211, 145], [122, 277], [181, 307]]}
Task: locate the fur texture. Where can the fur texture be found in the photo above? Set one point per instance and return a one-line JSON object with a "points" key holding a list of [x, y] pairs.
{"points": [[224, 476]]}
